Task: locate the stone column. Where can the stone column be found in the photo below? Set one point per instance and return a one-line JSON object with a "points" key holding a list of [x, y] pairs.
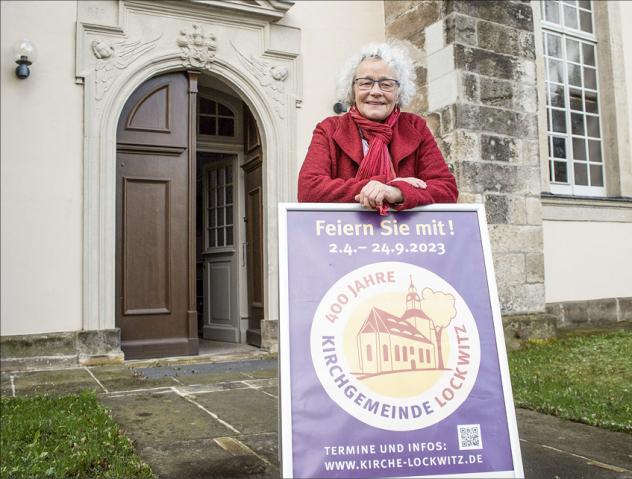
{"points": [[477, 89]]}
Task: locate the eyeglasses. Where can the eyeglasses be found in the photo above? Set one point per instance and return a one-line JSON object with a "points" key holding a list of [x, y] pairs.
{"points": [[385, 84]]}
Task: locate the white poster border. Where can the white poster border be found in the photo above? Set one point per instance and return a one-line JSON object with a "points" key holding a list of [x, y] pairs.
{"points": [[285, 397]]}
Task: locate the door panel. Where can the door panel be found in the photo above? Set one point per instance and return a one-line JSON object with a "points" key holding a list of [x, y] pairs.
{"points": [[254, 230], [152, 112], [146, 264], [154, 305], [219, 255]]}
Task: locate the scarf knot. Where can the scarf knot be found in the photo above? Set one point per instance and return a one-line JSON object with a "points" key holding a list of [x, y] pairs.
{"points": [[377, 161]]}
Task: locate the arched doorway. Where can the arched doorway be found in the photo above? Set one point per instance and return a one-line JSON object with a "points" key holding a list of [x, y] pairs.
{"points": [[183, 222]]}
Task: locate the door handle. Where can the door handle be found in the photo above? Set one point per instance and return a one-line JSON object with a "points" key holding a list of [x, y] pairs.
{"points": [[244, 250]]}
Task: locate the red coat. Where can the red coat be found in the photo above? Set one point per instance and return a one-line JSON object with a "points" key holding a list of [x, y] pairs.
{"points": [[333, 158]]}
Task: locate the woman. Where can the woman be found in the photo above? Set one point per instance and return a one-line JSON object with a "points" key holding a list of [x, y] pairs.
{"points": [[375, 154]]}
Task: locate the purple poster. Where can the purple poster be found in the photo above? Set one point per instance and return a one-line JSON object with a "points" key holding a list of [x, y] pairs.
{"points": [[392, 356]]}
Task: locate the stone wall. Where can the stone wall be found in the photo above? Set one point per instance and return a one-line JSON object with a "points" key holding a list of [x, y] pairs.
{"points": [[477, 89], [60, 349], [596, 314]]}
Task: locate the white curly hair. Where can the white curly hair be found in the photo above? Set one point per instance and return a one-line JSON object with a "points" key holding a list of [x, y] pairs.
{"points": [[396, 57]]}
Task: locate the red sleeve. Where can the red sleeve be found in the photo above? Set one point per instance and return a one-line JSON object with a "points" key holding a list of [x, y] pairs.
{"points": [[315, 180], [432, 168]]}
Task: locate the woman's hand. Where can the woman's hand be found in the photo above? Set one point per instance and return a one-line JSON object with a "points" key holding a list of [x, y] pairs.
{"points": [[375, 194], [416, 182]]}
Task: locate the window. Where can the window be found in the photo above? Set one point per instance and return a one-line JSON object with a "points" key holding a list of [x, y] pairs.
{"points": [[369, 354], [219, 210], [396, 353], [574, 132], [385, 352], [215, 118]]}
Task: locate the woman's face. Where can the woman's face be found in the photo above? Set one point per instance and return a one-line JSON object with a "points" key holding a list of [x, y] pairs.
{"points": [[375, 104]]}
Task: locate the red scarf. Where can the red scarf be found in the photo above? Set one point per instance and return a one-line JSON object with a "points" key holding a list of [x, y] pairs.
{"points": [[377, 160]]}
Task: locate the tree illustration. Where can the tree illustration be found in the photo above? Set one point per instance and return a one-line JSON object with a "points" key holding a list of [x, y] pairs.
{"points": [[439, 307]]}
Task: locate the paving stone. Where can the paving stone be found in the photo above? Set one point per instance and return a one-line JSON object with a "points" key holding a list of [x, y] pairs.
{"points": [[201, 459], [215, 377], [118, 378], [266, 445], [614, 448], [262, 374], [67, 381], [248, 410], [262, 382], [195, 389], [228, 368], [158, 419], [274, 391], [550, 462]]}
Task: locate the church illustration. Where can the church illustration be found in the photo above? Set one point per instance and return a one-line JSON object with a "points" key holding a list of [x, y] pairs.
{"points": [[387, 343]]}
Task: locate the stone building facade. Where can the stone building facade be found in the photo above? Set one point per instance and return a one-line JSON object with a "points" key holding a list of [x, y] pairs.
{"points": [[487, 72], [479, 88], [480, 82]]}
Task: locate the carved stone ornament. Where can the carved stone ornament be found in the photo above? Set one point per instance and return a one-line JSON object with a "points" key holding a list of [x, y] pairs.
{"points": [[113, 57], [271, 77], [198, 48]]}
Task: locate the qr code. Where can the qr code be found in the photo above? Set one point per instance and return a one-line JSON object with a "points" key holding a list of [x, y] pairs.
{"points": [[470, 436]]}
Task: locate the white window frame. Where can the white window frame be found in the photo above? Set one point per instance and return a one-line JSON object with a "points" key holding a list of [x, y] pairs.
{"points": [[570, 188], [232, 104]]}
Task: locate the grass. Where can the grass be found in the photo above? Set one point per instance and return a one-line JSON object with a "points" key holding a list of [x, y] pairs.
{"points": [[64, 436], [586, 379]]}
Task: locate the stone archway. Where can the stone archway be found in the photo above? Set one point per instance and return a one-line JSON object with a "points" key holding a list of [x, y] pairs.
{"points": [[114, 61]]}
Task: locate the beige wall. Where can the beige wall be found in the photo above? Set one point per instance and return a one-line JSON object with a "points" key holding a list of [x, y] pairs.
{"points": [[587, 260], [42, 128], [331, 33], [41, 172], [587, 252]]}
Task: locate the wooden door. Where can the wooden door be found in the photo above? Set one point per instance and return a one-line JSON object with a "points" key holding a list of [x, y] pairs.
{"points": [[155, 289], [219, 254], [254, 229]]}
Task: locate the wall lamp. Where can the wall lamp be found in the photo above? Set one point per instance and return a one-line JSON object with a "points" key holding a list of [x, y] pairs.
{"points": [[24, 54], [340, 107]]}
